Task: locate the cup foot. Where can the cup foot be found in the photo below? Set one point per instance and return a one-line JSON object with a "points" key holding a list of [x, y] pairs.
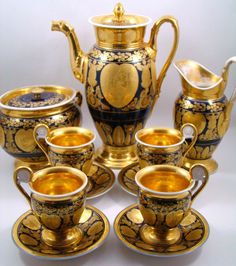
{"points": [[62, 240], [35, 166], [153, 236], [116, 157], [210, 164]]}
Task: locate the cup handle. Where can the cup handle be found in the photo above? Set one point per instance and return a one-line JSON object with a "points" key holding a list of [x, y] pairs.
{"points": [[189, 131], [79, 98], [200, 174], [40, 133], [23, 174]]}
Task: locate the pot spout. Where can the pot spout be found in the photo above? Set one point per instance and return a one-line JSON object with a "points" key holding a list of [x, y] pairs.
{"points": [[77, 57]]}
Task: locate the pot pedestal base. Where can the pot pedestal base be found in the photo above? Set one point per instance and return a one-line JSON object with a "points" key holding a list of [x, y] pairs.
{"points": [[116, 157], [34, 166], [210, 164]]}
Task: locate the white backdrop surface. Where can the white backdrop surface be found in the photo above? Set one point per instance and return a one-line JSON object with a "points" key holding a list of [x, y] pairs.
{"points": [[30, 54]]}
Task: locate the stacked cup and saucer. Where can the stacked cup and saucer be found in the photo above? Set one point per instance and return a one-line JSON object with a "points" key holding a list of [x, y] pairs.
{"points": [[162, 223], [59, 224]]}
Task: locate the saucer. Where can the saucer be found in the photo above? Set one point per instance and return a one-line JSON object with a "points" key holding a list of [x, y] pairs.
{"points": [[26, 233], [126, 178], [101, 180], [194, 228]]}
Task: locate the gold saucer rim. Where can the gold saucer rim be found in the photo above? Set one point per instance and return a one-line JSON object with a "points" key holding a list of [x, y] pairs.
{"points": [[210, 164], [120, 178], [56, 257], [108, 188], [159, 254]]}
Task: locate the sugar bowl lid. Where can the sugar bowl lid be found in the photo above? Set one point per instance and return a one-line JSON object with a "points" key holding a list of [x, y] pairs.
{"points": [[36, 97], [119, 19]]}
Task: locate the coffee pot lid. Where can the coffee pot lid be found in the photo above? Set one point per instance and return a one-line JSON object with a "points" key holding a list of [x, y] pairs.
{"points": [[37, 97], [119, 19]]}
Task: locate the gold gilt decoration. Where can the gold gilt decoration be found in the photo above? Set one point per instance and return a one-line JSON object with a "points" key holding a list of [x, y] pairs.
{"points": [[149, 156], [119, 84], [56, 216], [27, 234], [24, 140], [109, 56], [208, 117], [18, 132], [117, 78], [2, 137], [157, 212], [126, 178], [118, 136], [100, 180], [79, 159], [194, 232]]}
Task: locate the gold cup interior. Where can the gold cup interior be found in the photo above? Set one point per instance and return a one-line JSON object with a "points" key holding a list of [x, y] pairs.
{"points": [[57, 181], [164, 178], [159, 136], [70, 137]]}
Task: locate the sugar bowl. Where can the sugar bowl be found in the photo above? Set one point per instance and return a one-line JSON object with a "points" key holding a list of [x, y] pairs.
{"points": [[22, 109]]}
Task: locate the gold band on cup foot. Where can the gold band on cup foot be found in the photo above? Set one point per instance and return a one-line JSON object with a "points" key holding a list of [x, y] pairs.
{"points": [[35, 166], [116, 157], [153, 236], [210, 164], [63, 240]]}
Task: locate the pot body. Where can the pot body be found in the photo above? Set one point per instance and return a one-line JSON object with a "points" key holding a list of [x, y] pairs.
{"points": [[120, 90]]}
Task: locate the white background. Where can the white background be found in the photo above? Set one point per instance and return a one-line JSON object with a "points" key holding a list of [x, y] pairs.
{"points": [[30, 54]]}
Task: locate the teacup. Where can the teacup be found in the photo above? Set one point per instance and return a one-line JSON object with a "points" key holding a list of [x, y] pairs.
{"points": [[164, 145], [57, 200], [165, 196], [69, 146]]}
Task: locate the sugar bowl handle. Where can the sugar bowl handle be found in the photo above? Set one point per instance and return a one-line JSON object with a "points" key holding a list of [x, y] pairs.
{"points": [[40, 133], [189, 131], [23, 174], [201, 176]]}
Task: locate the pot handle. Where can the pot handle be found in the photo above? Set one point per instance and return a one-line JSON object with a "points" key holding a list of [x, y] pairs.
{"points": [[201, 176], [23, 174], [40, 133], [152, 44], [189, 131]]}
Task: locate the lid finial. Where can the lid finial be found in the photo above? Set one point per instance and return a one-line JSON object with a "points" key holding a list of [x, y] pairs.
{"points": [[37, 92], [118, 11]]}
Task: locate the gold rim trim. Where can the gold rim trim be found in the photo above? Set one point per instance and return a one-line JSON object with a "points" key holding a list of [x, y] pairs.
{"points": [[69, 130], [210, 164], [20, 245], [159, 254]]}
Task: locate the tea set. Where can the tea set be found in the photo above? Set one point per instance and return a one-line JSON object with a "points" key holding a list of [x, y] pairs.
{"points": [[165, 168]]}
